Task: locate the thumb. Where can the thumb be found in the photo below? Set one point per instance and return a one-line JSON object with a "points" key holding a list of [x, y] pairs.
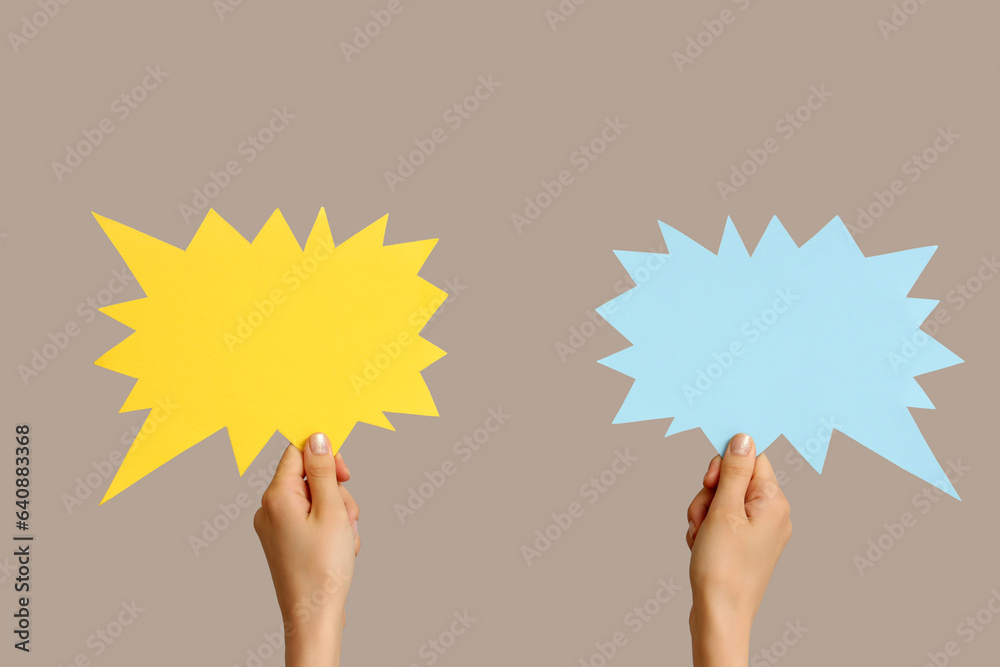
{"points": [[321, 475], [734, 476]]}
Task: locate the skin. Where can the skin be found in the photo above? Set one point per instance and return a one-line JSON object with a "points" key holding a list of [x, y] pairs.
{"points": [[309, 531], [738, 525]]}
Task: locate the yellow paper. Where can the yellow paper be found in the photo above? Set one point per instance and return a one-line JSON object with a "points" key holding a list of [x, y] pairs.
{"points": [[262, 336]]}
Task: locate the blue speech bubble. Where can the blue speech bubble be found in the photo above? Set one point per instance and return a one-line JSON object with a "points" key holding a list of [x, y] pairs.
{"points": [[793, 341]]}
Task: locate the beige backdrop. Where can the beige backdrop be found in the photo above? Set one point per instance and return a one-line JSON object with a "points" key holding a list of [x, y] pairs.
{"points": [[221, 70]]}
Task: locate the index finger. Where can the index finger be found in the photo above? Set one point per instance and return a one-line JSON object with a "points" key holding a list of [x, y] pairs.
{"points": [[290, 467], [763, 470], [343, 473], [764, 489], [288, 475]]}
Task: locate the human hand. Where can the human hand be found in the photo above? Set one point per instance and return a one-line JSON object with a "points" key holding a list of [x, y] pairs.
{"points": [[737, 527], [309, 531]]}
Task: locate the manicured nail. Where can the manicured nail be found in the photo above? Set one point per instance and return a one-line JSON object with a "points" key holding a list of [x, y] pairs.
{"points": [[319, 443], [740, 444], [355, 524], [690, 528]]}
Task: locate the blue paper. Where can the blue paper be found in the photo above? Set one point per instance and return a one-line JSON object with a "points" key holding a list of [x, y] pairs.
{"points": [[793, 341]]}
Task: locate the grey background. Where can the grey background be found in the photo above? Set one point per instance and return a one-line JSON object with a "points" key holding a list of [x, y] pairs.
{"points": [[522, 293]]}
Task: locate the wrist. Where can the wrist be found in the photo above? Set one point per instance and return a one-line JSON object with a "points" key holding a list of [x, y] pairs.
{"points": [[315, 638], [720, 635]]}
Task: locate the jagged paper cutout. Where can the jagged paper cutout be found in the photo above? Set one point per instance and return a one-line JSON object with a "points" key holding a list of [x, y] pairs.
{"points": [[265, 335], [829, 341]]}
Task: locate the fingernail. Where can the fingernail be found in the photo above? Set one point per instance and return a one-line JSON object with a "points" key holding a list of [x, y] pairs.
{"points": [[355, 524], [690, 527], [319, 443], [740, 444]]}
